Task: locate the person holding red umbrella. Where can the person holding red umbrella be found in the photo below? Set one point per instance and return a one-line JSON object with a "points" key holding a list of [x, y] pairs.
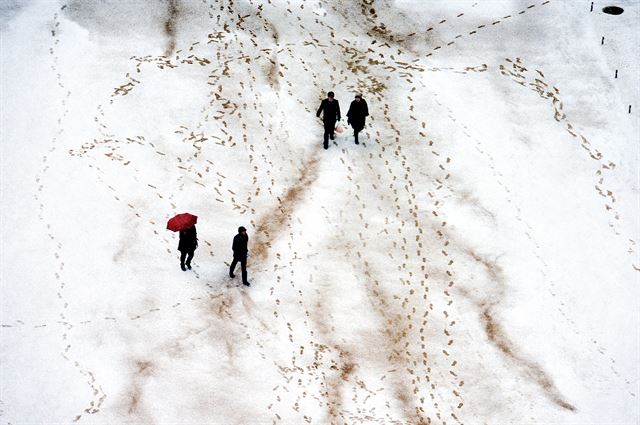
{"points": [[185, 224], [187, 246]]}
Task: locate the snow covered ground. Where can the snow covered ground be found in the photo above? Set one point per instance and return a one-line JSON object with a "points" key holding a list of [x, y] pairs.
{"points": [[474, 261]]}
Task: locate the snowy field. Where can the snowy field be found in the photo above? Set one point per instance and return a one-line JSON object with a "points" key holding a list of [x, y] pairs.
{"points": [[473, 261]]}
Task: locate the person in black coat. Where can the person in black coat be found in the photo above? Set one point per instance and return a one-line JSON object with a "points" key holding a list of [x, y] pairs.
{"points": [[358, 112], [187, 246], [331, 109], [240, 251]]}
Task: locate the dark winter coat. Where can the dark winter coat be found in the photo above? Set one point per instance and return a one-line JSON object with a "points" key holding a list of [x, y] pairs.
{"points": [[358, 111], [239, 246], [331, 111], [188, 240]]}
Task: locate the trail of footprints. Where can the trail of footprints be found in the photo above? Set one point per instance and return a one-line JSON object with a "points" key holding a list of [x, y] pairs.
{"points": [[529, 232], [98, 396], [323, 354], [515, 69], [405, 303], [413, 215], [540, 88], [482, 27]]}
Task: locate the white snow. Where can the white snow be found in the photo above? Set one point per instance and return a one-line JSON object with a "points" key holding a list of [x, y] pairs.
{"points": [[474, 260]]}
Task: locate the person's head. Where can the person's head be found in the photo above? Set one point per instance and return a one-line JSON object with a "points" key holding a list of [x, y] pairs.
{"points": [[242, 230], [330, 96], [358, 97]]}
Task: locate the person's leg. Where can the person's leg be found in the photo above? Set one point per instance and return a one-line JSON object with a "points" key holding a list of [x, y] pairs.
{"points": [[355, 134], [233, 267], [189, 258], [327, 133], [183, 255], [243, 264]]}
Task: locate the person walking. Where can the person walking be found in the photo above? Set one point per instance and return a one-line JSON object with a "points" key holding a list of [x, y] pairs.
{"points": [[356, 116], [240, 251], [187, 246], [331, 109]]}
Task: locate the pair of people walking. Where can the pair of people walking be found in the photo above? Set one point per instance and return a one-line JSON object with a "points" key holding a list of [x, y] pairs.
{"points": [[330, 109], [189, 242]]}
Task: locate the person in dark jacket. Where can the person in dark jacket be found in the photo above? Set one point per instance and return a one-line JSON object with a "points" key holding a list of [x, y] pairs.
{"points": [[331, 109], [358, 111], [187, 246], [240, 251]]}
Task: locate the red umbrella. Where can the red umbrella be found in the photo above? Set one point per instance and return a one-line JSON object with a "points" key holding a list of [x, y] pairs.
{"points": [[181, 222]]}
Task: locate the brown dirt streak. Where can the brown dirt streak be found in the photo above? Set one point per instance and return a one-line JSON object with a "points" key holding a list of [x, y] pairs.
{"points": [[170, 27], [496, 334], [142, 370], [394, 332], [335, 386], [272, 73], [533, 370], [274, 221]]}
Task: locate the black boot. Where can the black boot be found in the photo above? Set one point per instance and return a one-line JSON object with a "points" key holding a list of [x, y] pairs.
{"points": [[189, 266], [326, 145], [184, 269]]}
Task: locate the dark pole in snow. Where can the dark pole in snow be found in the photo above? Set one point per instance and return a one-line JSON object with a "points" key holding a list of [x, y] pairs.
{"points": [[629, 108], [591, 6], [616, 73], [602, 42]]}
